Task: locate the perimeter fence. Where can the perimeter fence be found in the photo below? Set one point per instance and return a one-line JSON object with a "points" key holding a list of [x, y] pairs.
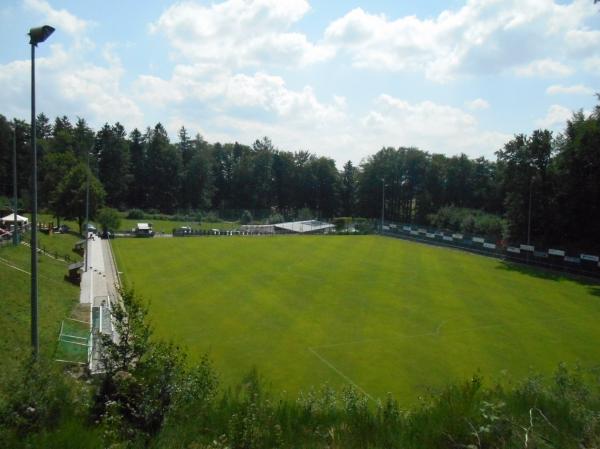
{"points": [[583, 264]]}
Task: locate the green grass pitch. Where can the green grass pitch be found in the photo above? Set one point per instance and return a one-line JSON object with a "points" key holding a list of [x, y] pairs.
{"points": [[383, 314]]}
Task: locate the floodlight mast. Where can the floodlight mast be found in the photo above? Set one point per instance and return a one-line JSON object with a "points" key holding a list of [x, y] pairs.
{"points": [[87, 210], [37, 35], [15, 235], [382, 203]]}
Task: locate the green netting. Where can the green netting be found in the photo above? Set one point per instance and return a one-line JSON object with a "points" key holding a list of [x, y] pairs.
{"points": [[73, 342], [75, 328]]}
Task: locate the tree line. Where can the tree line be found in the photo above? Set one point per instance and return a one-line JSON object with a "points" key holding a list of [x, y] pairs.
{"points": [[542, 188]]}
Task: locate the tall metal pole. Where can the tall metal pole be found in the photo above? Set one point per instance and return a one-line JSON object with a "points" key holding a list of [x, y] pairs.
{"points": [[529, 214], [34, 277], [87, 211], [382, 202], [14, 161]]}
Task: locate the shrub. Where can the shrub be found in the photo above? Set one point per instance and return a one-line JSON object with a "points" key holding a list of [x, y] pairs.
{"points": [[275, 218], [39, 395], [144, 381], [305, 214], [211, 217], [468, 221], [135, 214], [246, 217], [108, 218], [342, 223]]}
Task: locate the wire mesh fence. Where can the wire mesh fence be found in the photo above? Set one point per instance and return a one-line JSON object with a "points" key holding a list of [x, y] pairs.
{"points": [[74, 342], [550, 258]]}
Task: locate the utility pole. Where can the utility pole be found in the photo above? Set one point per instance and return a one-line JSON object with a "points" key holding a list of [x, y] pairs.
{"points": [[15, 235], [382, 202], [36, 35], [529, 214], [87, 210]]}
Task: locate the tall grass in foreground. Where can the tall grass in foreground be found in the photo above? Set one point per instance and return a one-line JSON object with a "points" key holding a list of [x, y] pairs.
{"points": [[151, 397], [55, 411]]}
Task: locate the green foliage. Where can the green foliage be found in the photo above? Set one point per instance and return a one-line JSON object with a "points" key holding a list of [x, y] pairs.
{"points": [[211, 217], [143, 380], [246, 217], [469, 221], [275, 218], [37, 397], [70, 200], [135, 214], [109, 219], [342, 223], [543, 185], [305, 214]]}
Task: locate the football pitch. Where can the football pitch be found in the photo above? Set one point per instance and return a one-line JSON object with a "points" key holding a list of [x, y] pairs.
{"points": [[382, 314]]}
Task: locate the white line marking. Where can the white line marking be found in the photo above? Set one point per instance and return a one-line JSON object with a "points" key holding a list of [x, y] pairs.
{"points": [[346, 378], [8, 264], [79, 321]]}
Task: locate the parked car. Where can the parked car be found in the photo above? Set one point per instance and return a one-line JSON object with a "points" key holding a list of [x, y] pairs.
{"points": [[107, 235], [185, 230], [91, 228]]}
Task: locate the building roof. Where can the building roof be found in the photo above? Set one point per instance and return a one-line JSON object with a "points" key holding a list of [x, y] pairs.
{"points": [[10, 219], [304, 226], [75, 266]]}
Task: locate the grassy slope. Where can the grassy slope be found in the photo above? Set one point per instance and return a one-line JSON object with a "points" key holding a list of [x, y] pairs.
{"points": [[59, 244], [56, 299], [386, 314]]}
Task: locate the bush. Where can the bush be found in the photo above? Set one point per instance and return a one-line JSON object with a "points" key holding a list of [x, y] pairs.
{"points": [[135, 214], [469, 221], [305, 214], [109, 219], [39, 396], [246, 217], [342, 223], [211, 217], [145, 381], [275, 218]]}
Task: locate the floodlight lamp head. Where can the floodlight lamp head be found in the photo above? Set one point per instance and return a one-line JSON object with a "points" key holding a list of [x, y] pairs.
{"points": [[40, 34]]}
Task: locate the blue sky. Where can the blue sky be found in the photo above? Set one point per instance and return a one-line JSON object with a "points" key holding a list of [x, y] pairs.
{"points": [[338, 78]]}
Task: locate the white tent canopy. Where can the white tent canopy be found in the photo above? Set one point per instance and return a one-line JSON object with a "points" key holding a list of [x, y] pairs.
{"points": [[11, 218]]}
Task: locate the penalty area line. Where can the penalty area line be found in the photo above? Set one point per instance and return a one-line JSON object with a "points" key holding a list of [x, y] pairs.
{"points": [[346, 378]]}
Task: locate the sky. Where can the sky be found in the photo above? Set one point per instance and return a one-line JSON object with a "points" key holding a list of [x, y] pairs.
{"points": [[338, 78]]}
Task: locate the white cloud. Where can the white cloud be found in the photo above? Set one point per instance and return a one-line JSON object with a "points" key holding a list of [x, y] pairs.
{"points": [[545, 68], [484, 36], [70, 86], [221, 91], [478, 104], [592, 64], [61, 19], [100, 86], [240, 33], [245, 107], [430, 126], [555, 118], [583, 40], [578, 89]]}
